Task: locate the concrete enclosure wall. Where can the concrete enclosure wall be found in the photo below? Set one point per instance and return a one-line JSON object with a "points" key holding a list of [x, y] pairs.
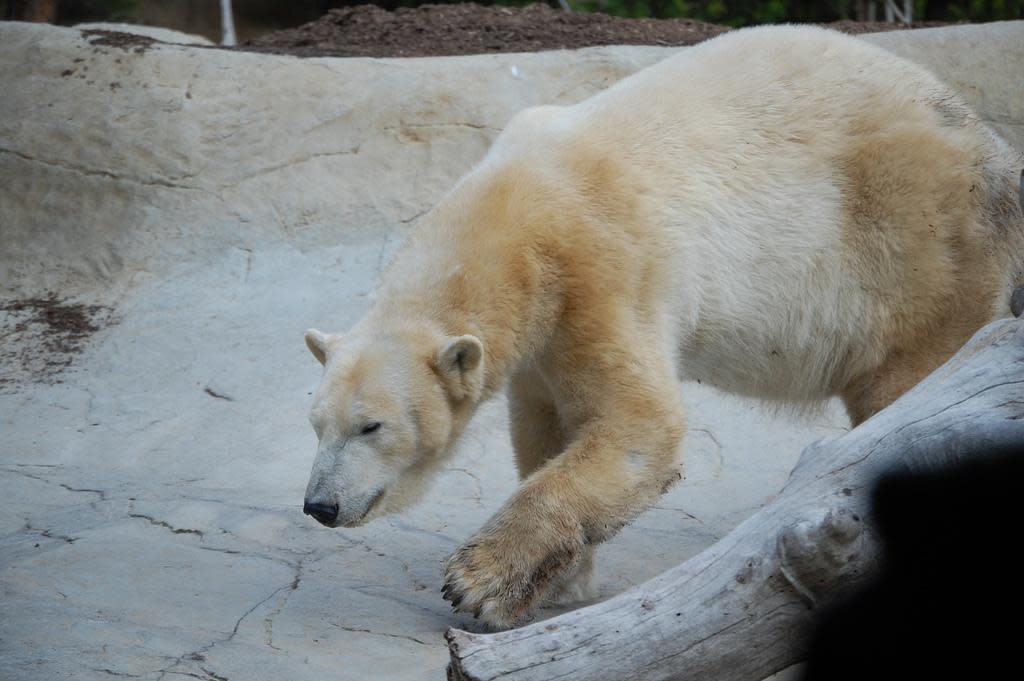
{"points": [[120, 159]]}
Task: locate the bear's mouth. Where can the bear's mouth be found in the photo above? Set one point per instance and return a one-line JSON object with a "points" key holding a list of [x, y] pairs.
{"points": [[361, 520]]}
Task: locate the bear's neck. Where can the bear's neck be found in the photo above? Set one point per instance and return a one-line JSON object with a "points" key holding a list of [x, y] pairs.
{"points": [[482, 262]]}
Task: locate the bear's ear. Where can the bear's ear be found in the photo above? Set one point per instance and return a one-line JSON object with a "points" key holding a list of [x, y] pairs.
{"points": [[317, 342], [460, 363]]}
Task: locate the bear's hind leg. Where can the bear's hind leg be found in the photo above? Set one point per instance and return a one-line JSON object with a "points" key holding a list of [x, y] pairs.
{"points": [[905, 368], [538, 435]]}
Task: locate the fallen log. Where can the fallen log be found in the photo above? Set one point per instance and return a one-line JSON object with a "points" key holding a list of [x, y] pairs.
{"points": [[742, 609]]}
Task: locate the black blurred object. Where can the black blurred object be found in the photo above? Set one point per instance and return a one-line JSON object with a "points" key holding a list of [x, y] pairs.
{"points": [[948, 601]]}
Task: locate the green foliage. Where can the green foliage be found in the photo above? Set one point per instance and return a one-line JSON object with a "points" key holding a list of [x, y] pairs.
{"points": [[747, 12], [118, 8]]}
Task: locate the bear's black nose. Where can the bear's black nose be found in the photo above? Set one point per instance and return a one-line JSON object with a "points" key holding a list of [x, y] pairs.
{"points": [[323, 513]]}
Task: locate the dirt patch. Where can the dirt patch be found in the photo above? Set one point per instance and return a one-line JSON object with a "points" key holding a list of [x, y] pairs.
{"points": [[40, 337], [122, 41], [438, 30], [859, 27]]}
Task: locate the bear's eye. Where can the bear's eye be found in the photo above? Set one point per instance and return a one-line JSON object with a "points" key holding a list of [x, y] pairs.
{"points": [[370, 428]]}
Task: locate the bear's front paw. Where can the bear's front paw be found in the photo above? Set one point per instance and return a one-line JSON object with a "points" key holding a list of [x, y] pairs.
{"points": [[499, 578]]}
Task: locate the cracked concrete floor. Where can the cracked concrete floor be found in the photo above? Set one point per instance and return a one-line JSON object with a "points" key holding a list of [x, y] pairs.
{"points": [[151, 521]]}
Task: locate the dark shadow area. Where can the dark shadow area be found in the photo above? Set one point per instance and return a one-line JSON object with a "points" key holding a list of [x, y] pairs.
{"points": [[948, 602]]}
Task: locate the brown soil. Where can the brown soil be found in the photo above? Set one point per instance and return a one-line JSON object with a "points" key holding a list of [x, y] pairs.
{"points": [[467, 28], [124, 41], [41, 336], [858, 27]]}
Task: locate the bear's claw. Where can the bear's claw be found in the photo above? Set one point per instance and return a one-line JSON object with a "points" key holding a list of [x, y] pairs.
{"points": [[500, 581]]}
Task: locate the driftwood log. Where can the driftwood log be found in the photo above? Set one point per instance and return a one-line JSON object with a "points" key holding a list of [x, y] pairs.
{"points": [[742, 609]]}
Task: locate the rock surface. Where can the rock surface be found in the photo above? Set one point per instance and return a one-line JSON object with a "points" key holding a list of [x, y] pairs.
{"points": [[206, 207]]}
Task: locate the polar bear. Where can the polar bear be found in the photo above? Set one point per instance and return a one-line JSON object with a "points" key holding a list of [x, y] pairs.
{"points": [[782, 212]]}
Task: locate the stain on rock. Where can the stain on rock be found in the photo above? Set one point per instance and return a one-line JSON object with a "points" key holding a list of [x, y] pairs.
{"points": [[122, 41], [40, 337]]}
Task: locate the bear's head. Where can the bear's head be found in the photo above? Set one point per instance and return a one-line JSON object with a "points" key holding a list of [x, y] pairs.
{"points": [[387, 412]]}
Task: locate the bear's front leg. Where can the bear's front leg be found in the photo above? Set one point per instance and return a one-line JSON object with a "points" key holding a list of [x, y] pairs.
{"points": [[611, 472], [505, 568]]}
